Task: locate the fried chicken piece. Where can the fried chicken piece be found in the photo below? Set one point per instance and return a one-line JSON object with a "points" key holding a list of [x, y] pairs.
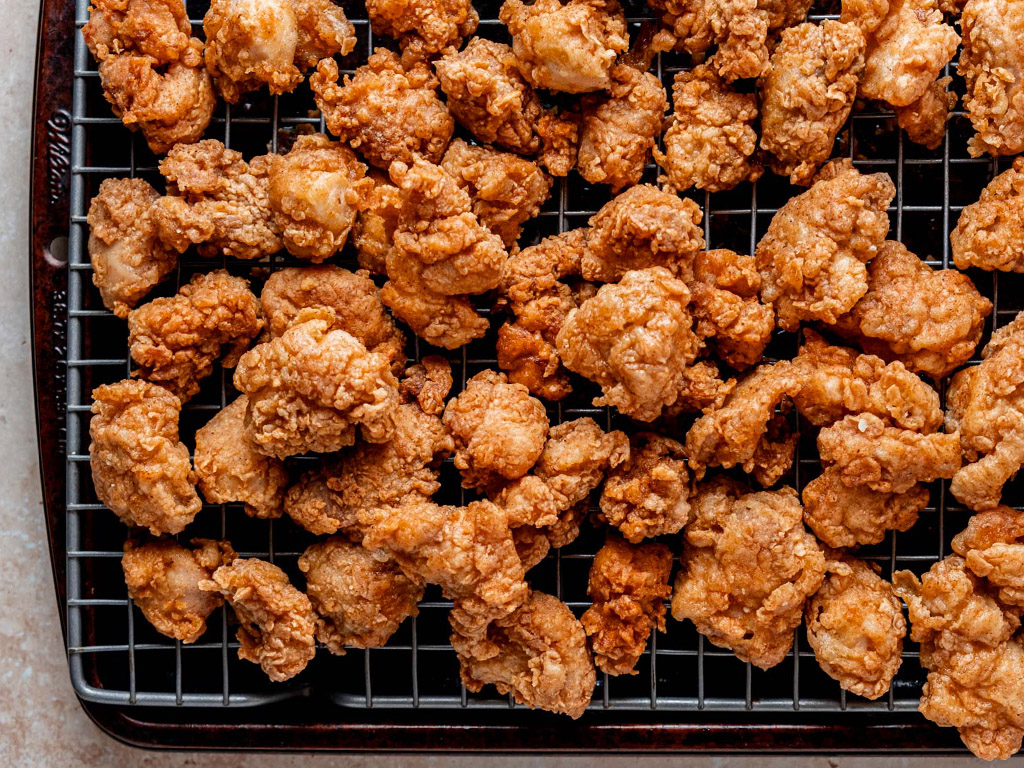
{"points": [[739, 29], [427, 383], [643, 227], [725, 305], [710, 142], [375, 224], [487, 95], [975, 664], [737, 432], [252, 43], [352, 297], [176, 340], [230, 468], [125, 251], [217, 201], [992, 545], [507, 191], [554, 496], [989, 233], [634, 338], [628, 584], [856, 627], [140, 469], [848, 516], [930, 320], [701, 390], [812, 257], [384, 111], [359, 601], [924, 120], [618, 129], [498, 428], [315, 191], [157, 28], [907, 46], [449, 322], [648, 494], [986, 405], [276, 620], [538, 654], [310, 387], [560, 140], [887, 459], [468, 551], [570, 47], [807, 94], [532, 545], [992, 63], [536, 284], [424, 26], [748, 568], [163, 581]]}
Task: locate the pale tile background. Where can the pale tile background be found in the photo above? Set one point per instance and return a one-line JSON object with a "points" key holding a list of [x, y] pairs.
{"points": [[41, 724]]}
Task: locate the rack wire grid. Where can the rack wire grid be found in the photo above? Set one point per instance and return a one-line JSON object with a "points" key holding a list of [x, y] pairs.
{"points": [[117, 658]]}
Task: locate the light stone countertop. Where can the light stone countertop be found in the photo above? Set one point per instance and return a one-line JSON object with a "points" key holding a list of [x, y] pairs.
{"points": [[41, 724]]}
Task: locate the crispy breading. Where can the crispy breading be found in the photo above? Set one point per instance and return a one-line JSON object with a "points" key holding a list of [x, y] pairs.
{"points": [[570, 47], [628, 585], [217, 201], [375, 224], [163, 581], [848, 516], [559, 139], [315, 191], [125, 251], [643, 227], [807, 94], [449, 322], [352, 297], [488, 97], [726, 307], [635, 339], [427, 383], [385, 111], [276, 620], [252, 43], [701, 390], [532, 545], [619, 128], [140, 469], [230, 468], [427, 26], [176, 340], [992, 64], [986, 405], [748, 568], [359, 601], [739, 29], [990, 232], [157, 28], [812, 257], [710, 142], [536, 284], [538, 654], [648, 494], [468, 551], [930, 320], [498, 428], [507, 191], [856, 627], [887, 459], [312, 386], [313, 505], [907, 46], [975, 665], [924, 120], [992, 545]]}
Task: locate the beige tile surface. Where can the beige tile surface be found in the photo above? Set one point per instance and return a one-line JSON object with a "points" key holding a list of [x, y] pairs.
{"points": [[41, 724]]}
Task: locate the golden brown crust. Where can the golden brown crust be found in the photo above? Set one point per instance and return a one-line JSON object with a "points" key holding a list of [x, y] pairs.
{"points": [[140, 469], [628, 585], [276, 620], [359, 601], [559, 134], [375, 224], [989, 233], [992, 545], [163, 581], [424, 26], [924, 120]]}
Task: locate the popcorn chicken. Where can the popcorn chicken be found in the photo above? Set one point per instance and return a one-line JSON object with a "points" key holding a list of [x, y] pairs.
{"points": [[924, 120], [989, 232], [424, 26], [992, 545]]}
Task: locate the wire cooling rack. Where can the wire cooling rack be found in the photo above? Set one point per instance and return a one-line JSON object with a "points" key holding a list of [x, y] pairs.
{"points": [[117, 658]]}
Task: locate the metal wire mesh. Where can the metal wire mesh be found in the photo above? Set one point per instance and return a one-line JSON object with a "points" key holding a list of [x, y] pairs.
{"points": [[117, 658]]}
